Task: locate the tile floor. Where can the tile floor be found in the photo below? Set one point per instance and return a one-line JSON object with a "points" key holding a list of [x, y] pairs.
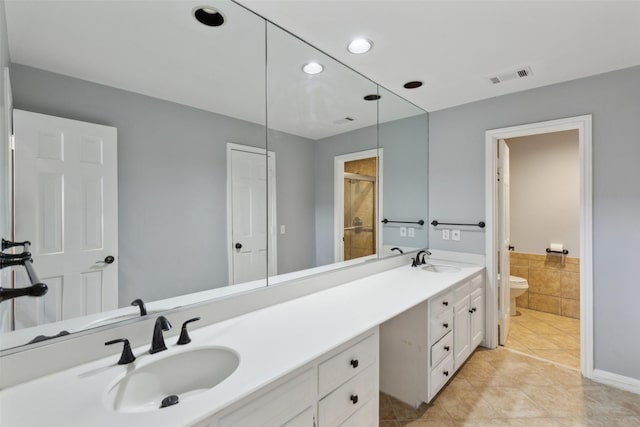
{"points": [[504, 388], [545, 335]]}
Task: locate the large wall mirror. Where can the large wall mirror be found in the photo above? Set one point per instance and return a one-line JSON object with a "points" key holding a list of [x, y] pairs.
{"points": [[403, 138], [348, 154], [202, 169]]}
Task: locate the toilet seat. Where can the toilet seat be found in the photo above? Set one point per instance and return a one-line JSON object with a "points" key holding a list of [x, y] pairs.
{"points": [[516, 282]]}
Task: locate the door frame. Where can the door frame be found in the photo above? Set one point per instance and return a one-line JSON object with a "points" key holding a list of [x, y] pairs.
{"points": [[272, 236], [338, 200], [584, 126]]}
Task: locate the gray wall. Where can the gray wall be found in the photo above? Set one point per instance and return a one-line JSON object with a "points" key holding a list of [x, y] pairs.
{"points": [[326, 150], [456, 190], [4, 157], [405, 144], [172, 182], [296, 204], [406, 151], [545, 192]]}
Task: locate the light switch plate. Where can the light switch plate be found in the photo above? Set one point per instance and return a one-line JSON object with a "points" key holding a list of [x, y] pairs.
{"points": [[403, 231], [455, 234], [445, 234], [412, 232], [282, 229]]}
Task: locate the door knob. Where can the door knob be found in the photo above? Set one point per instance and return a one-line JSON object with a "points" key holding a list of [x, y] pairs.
{"points": [[107, 260], [238, 245]]}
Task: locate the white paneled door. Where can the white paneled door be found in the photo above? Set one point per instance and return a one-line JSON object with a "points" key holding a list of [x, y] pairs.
{"points": [[252, 213], [504, 238], [66, 204]]}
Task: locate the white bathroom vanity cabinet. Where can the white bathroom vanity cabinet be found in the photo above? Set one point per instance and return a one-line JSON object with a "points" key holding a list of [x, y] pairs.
{"points": [[424, 346]]}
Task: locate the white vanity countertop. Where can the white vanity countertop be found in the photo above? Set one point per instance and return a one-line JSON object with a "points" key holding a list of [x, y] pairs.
{"points": [[271, 342]]}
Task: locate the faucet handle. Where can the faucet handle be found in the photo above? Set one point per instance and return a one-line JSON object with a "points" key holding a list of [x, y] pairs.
{"points": [[184, 334], [127, 355]]}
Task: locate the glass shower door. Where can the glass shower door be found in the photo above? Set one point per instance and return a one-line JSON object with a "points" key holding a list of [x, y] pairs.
{"points": [[360, 208]]}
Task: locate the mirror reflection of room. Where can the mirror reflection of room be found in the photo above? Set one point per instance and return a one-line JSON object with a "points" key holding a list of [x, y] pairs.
{"points": [[216, 184]]}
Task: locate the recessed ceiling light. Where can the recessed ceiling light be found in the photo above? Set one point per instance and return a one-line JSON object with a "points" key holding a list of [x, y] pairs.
{"points": [[208, 16], [312, 68], [372, 97], [359, 46], [413, 85]]}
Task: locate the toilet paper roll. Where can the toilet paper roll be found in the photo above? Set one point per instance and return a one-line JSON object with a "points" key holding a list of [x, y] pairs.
{"points": [[556, 247]]}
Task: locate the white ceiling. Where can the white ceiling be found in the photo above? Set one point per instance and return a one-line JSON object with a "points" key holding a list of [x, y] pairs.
{"points": [[454, 46], [160, 51], [157, 49]]}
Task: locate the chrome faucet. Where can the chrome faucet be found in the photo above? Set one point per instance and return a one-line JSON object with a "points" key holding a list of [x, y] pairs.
{"points": [[415, 262], [157, 341]]}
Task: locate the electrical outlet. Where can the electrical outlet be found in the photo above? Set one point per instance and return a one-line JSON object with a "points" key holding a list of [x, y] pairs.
{"points": [[455, 234], [445, 234], [412, 232], [403, 231]]}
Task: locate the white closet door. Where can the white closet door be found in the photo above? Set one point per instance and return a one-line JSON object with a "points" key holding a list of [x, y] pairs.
{"points": [[249, 215], [66, 204]]}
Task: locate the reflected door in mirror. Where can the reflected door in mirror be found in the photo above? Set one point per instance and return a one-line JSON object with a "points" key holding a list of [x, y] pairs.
{"points": [[248, 212], [66, 205]]}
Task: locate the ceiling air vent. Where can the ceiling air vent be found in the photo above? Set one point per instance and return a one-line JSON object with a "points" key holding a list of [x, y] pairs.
{"points": [[519, 74]]}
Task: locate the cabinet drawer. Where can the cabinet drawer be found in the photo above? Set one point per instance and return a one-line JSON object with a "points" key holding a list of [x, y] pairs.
{"points": [[440, 305], [441, 374], [348, 398], [440, 325], [442, 349], [346, 364], [275, 407], [367, 416]]}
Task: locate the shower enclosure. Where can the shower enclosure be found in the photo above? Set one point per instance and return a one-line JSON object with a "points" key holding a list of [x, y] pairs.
{"points": [[360, 216]]}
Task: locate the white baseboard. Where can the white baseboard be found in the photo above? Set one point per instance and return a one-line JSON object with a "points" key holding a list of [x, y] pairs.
{"points": [[615, 380]]}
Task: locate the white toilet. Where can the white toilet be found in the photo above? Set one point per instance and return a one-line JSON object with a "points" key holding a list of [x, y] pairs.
{"points": [[517, 287]]}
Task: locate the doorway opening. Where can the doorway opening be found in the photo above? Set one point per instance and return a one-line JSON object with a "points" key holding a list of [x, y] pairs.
{"points": [[540, 220], [498, 242], [357, 180]]}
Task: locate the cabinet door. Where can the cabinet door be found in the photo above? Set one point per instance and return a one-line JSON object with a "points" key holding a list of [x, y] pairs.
{"points": [[305, 419], [275, 407], [367, 416], [461, 332], [477, 318]]}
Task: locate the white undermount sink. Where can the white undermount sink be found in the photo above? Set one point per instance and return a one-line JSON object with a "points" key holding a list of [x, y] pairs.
{"points": [[183, 375], [441, 268]]}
